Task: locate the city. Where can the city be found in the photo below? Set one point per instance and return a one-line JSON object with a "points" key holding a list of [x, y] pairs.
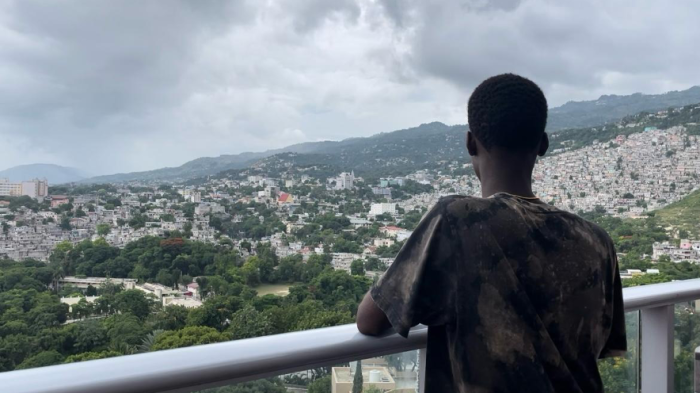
{"points": [[268, 231]]}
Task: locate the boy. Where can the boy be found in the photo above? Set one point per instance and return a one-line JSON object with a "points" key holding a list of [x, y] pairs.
{"points": [[519, 296]]}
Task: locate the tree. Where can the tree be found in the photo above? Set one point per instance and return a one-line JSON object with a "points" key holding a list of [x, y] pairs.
{"points": [[358, 380], [123, 330], [133, 301], [374, 264], [91, 291], [321, 385], [171, 318], [248, 322], [81, 357], [187, 230], [372, 389], [269, 385], [149, 340], [191, 335], [14, 349], [103, 229], [41, 359], [65, 223], [246, 245], [251, 272], [357, 268], [81, 310], [89, 335]]}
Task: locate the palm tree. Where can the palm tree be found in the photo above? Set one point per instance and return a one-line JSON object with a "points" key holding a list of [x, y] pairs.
{"points": [[58, 274], [149, 340]]}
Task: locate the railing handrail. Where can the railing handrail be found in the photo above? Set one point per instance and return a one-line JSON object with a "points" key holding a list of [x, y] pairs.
{"points": [[205, 366]]}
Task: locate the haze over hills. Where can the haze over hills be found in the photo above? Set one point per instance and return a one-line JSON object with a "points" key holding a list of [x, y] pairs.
{"points": [[55, 174], [414, 146]]}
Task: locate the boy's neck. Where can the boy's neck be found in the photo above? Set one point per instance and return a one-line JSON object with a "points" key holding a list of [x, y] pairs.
{"points": [[523, 191], [509, 180]]}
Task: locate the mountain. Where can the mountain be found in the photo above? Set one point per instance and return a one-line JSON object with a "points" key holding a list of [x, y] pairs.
{"points": [[55, 174], [397, 149], [400, 150], [428, 146], [607, 108]]}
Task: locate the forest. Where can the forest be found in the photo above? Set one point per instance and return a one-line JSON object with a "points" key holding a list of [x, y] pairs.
{"points": [[37, 330]]}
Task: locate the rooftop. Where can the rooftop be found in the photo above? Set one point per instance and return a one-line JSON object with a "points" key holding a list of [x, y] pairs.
{"points": [[347, 374]]}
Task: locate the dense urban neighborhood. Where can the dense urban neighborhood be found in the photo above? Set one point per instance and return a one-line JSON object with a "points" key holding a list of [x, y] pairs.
{"points": [[298, 213]]}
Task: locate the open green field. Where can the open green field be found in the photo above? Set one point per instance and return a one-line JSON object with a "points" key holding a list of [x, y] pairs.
{"points": [[684, 214], [273, 289]]}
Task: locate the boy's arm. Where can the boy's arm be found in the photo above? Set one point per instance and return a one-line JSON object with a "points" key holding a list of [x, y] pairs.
{"points": [[417, 287], [371, 320]]}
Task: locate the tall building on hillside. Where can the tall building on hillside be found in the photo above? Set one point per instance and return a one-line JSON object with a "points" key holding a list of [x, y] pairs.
{"points": [[10, 189], [345, 181], [34, 188]]}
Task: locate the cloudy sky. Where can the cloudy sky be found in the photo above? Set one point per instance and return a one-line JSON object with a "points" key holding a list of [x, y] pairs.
{"points": [[117, 86]]}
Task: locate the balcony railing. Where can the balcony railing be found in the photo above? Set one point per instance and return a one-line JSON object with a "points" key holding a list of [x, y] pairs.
{"points": [[206, 366]]}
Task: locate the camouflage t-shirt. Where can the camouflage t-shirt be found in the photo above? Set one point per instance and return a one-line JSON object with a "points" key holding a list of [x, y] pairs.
{"points": [[519, 296]]}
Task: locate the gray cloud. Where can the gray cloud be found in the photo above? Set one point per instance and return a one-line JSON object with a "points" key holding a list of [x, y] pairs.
{"points": [[111, 86], [574, 49]]}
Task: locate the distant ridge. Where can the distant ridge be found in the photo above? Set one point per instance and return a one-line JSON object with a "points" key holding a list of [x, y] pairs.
{"points": [[608, 108], [55, 174], [581, 114]]}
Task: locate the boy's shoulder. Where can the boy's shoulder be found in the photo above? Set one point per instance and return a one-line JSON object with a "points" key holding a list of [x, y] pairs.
{"points": [[474, 209], [502, 206]]}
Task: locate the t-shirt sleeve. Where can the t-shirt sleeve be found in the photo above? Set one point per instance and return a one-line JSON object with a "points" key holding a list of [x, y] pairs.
{"points": [[616, 344], [417, 288]]}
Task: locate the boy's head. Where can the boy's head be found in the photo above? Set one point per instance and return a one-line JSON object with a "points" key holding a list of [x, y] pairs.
{"points": [[507, 117]]}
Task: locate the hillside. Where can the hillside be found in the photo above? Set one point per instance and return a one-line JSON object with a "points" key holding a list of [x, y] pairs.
{"points": [[683, 215], [391, 150], [55, 174], [687, 116], [608, 108], [428, 146], [423, 146]]}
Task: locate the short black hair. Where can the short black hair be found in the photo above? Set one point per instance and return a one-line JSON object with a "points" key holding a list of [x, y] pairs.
{"points": [[508, 111]]}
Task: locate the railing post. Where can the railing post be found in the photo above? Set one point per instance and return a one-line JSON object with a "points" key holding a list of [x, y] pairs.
{"points": [[422, 362], [696, 374], [657, 350]]}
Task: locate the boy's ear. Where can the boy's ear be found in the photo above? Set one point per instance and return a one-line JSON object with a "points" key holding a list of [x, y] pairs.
{"points": [[472, 148], [544, 145]]}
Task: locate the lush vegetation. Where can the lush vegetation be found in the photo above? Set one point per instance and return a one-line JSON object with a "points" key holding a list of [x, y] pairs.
{"points": [[33, 323], [633, 239]]}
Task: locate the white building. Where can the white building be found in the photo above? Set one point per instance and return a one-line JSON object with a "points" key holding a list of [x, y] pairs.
{"points": [[382, 208], [84, 282], [181, 301], [344, 181]]}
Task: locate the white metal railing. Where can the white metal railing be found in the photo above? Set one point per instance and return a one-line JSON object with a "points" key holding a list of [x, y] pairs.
{"points": [[205, 366]]}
